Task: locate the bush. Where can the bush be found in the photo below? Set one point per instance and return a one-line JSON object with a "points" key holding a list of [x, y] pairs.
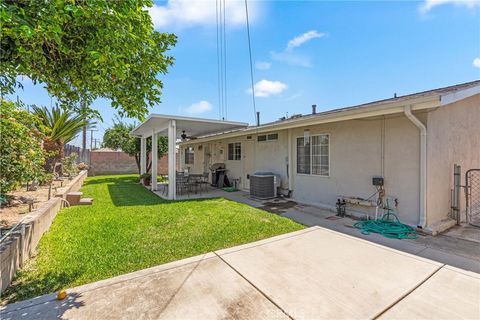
{"points": [[21, 154], [69, 165]]}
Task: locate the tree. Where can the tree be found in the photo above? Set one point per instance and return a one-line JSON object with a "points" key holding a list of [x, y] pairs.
{"points": [[59, 128], [118, 138], [21, 154], [82, 50]]}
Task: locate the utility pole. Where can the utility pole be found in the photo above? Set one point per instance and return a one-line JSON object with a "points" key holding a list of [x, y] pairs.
{"points": [[84, 129], [91, 138], [96, 142]]}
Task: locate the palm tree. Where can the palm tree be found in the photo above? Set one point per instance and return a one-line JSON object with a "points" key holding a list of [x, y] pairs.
{"points": [[60, 127]]}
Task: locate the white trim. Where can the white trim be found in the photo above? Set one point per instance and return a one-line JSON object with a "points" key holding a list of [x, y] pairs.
{"points": [[143, 155], [423, 165], [172, 161], [234, 153], [154, 161], [182, 118], [459, 95]]}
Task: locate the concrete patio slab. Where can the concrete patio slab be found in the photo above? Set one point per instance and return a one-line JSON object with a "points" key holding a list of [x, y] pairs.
{"points": [[313, 273], [326, 275], [203, 287], [450, 293]]}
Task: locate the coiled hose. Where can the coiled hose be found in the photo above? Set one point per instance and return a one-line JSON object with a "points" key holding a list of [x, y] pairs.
{"points": [[388, 226]]}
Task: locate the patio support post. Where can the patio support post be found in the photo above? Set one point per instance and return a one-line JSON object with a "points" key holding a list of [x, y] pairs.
{"points": [[154, 160], [172, 141], [143, 155]]}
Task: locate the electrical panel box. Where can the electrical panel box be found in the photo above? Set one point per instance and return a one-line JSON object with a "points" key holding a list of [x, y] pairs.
{"points": [[377, 181]]}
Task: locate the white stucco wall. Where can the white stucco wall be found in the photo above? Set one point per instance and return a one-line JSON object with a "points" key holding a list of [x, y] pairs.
{"points": [[266, 156], [356, 157], [453, 138]]}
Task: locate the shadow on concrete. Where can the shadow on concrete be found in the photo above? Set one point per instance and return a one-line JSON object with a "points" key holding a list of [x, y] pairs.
{"points": [[44, 308], [38, 285]]}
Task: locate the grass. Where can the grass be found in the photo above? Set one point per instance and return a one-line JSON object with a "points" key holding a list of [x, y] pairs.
{"points": [[129, 228]]}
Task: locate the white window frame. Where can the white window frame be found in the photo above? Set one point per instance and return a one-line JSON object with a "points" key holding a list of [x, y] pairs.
{"points": [[311, 158], [234, 154], [191, 149]]}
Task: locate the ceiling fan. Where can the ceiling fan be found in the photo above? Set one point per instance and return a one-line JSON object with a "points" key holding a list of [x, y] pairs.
{"points": [[184, 136]]}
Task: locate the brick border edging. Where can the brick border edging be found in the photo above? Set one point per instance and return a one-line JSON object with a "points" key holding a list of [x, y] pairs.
{"points": [[21, 244]]}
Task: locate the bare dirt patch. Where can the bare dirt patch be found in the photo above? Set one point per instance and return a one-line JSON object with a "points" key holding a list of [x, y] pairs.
{"points": [[19, 208]]}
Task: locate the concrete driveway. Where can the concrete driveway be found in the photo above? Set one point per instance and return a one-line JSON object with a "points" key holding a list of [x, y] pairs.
{"points": [[315, 273]]}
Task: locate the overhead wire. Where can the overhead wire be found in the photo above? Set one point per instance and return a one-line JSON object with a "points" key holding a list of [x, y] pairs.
{"points": [[225, 105], [251, 63], [219, 78]]}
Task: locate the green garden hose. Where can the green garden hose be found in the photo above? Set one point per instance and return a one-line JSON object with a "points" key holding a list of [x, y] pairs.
{"points": [[388, 226]]}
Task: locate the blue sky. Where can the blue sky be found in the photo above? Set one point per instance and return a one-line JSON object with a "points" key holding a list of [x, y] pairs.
{"points": [[333, 54]]}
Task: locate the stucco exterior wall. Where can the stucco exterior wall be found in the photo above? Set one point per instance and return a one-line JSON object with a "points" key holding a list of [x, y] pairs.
{"points": [[453, 138], [256, 156], [356, 157], [357, 148]]}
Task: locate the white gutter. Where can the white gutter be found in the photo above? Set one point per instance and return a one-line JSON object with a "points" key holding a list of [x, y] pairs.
{"points": [[423, 164]]}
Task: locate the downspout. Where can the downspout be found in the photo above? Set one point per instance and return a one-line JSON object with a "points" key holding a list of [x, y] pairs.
{"points": [[423, 164]]}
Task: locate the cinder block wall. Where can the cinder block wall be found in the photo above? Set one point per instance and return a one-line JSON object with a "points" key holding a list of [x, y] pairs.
{"points": [[117, 162], [20, 245]]}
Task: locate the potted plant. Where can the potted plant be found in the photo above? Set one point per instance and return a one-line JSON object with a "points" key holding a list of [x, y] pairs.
{"points": [[146, 178]]}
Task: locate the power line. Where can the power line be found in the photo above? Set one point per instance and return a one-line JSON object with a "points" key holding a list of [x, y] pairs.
{"points": [[225, 106], [251, 64], [218, 64]]}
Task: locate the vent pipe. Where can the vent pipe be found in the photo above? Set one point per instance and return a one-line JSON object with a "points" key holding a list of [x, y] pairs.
{"points": [[314, 108], [258, 118]]}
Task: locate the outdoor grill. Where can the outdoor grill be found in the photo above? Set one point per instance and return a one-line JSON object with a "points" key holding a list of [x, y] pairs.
{"points": [[219, 175]]}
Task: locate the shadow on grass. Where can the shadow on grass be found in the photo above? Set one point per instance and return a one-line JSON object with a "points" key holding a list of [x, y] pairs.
{"points": [[39, 285], [127, 179]]}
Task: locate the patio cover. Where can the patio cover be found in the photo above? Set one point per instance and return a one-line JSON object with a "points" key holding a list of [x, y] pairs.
{"points": [[172, 127]]}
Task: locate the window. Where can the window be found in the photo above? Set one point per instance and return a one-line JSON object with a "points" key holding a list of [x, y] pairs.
{"points": [[189, 155], [267, 137], [272, 136], [313, 156], [235, 151]]}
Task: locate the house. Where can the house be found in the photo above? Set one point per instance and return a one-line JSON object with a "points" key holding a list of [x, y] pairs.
{"points": [[411, 141]]}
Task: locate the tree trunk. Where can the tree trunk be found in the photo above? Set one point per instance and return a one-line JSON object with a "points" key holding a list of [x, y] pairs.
{"points": [[149, 163]]}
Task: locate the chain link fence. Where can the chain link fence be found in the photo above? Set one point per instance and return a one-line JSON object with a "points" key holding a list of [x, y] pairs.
{"points": [[472, 196]]}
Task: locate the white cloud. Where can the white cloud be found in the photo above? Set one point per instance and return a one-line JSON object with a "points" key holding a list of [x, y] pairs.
{"points": [[194, 13], [267, 88], [199, 107], [263, 65], [301, 39], [476, 62], [291, 58], [428, 5]]}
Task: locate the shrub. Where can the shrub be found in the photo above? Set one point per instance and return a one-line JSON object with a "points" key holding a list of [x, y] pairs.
{"points": [[69, 165], [21, 154]]}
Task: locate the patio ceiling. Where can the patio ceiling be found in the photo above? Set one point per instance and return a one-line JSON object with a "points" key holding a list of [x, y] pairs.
{"points": [[193, 127]]}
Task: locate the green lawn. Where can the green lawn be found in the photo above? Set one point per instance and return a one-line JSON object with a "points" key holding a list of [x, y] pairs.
{"points": [[129, 228]]}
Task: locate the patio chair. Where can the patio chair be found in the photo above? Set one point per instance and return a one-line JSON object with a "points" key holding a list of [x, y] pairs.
{"points": [[182, 184], [204, 181], [195, 181]]}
